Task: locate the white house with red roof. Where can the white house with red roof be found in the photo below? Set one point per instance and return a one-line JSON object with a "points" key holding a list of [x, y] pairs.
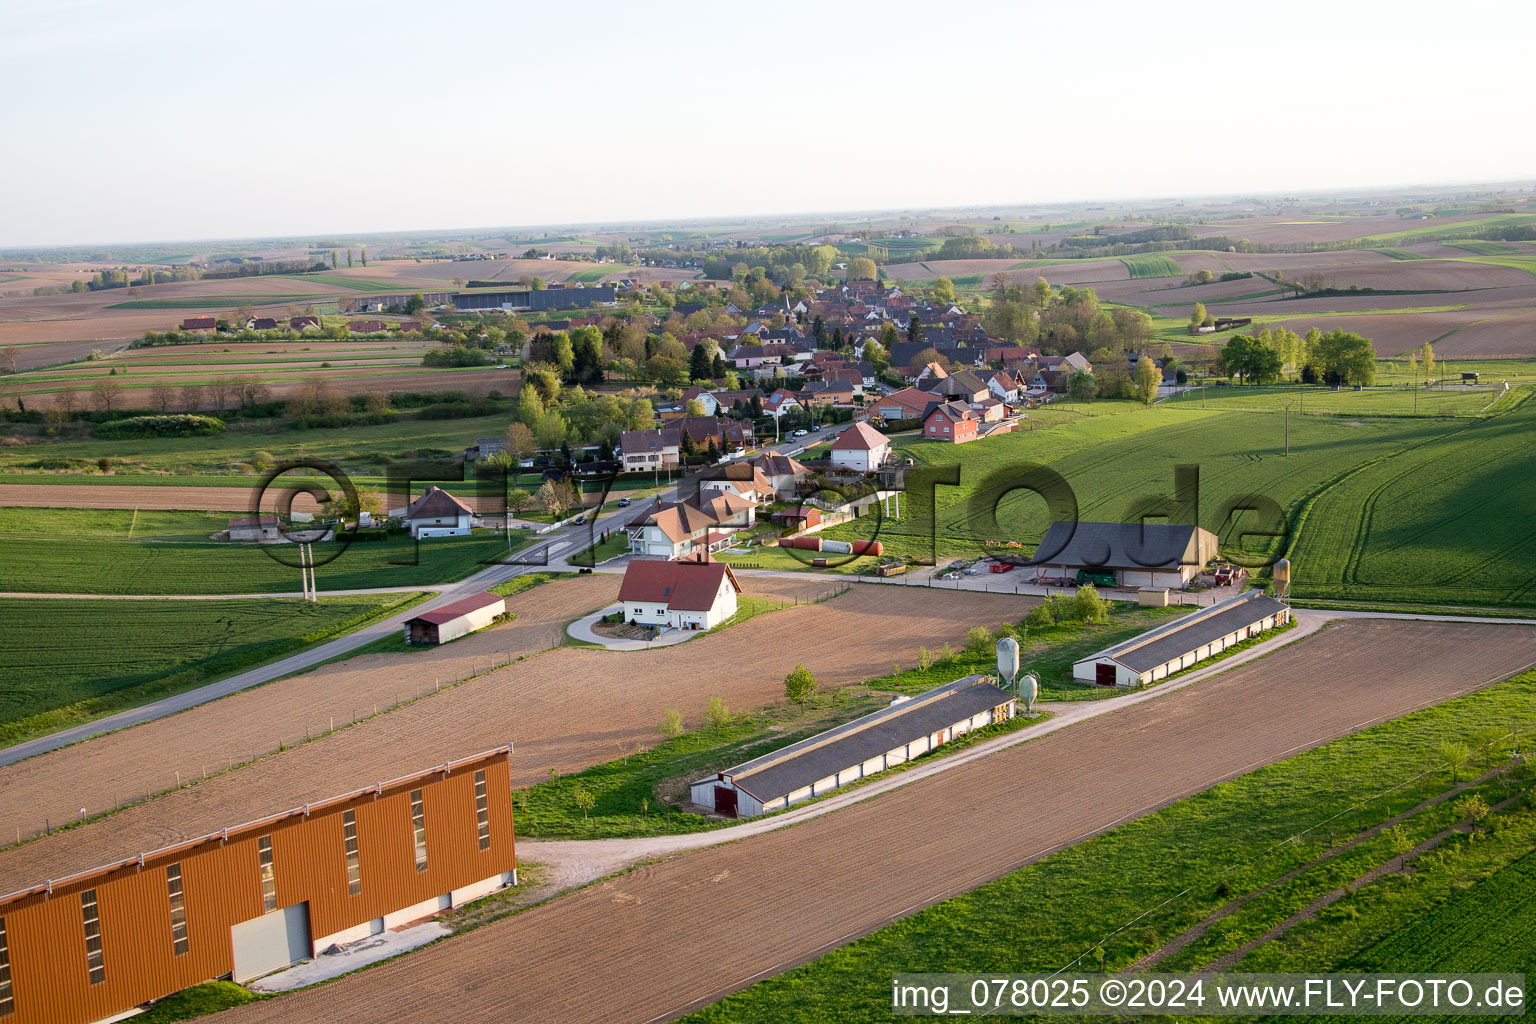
{"points": [[780, 402], [678, 595], [436, 514], [861, 447]]}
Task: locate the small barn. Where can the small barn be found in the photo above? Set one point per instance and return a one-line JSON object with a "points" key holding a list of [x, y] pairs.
{"points": [[263, 528], [452, 621], [866, 746], [1159, 653], [1126, 554], [678, 595]]}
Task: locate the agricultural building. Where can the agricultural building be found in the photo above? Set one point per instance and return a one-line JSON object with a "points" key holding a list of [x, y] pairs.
{"points": [[257, 897], [534, 299], [454, 620], [1160, 652], [262, 528], [866, 746], [861, 447], [436, 514], [1125, 554], [200, 323], [678, 595]]}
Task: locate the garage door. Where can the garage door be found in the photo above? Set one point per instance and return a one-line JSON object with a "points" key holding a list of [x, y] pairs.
{"points": [[270, 942], [1104, 675]]}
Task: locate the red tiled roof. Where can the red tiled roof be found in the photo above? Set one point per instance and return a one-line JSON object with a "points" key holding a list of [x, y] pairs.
{"points": [[860, 437], [448, 612], [437, 503], [683, 586]]}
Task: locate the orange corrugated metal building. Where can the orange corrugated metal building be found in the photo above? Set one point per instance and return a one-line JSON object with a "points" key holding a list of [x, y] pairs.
{"points": [[258, 896]]}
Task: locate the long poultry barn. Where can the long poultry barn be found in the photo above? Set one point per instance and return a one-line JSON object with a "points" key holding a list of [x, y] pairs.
{"points": [[257, 897], [908, 728], [1174, 646]]}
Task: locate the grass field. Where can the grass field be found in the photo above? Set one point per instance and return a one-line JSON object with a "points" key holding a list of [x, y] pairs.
{"points": [[1395, 399], [1152, 265], [1132, 889], [64, 660], [1404, 254], [92, 551], [1487, 248]]}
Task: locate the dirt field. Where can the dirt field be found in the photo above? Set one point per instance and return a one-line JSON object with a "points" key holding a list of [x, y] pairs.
{"points": [[666, 938], [1497, 333], [566, 709]]}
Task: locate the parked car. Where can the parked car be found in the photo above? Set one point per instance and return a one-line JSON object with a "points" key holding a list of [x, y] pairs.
{"points": [[801, 433], [624, 502]]}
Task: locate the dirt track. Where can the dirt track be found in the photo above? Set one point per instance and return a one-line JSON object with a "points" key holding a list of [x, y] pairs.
{"points": [[566, 709], [665, 938]]}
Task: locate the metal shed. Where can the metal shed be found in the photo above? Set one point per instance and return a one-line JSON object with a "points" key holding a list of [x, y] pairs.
{"points": [[452, 621], [893, 735], [1169, 648]]}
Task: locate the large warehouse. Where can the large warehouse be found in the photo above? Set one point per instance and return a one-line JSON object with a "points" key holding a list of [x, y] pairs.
{"points": [[257, 897], [888, 737], [1158, 653], [534, 298], [1145, 555]]}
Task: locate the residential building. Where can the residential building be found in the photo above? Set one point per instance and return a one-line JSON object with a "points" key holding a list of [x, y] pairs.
{"points": [[861, 448], [952, 421], [436, 514], [678, 595]]}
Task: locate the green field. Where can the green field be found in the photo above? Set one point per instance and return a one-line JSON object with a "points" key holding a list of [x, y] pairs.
{"points": [[65, 660], [1485, 248], [219, 301], [1404, 254], [1144, 883], [1306, 399], [1152, 265], [1435, 496], [1457, 229], [106, 551], [357, 284]]}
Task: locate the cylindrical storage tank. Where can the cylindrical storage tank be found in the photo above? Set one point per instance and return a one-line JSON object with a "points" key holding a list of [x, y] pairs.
{"points": [[1282, 575], [818, 563], [868, 547], [837, 547]]}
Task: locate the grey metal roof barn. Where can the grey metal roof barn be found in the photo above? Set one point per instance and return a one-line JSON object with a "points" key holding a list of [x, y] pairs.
{"points": [[1161, 645], [1125, 545], [810, 760]]}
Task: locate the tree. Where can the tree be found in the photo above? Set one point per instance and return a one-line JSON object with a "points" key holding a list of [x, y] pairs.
{"points": [[1345, 358], [861, 268], [695, 407], [520, 442], [1147, 378], [67, 399], [550, 430], [555, 497], [799, 686], [717, 715], [700, 365], [1427, 354], [161, 396], [105, 394], [349, 259], [672, 725], [10, 354], [944, 291], [1197, 317], [1455, 754], [978, 641], [518, 499], [346, 507], [365, 255], [584, 799], [914, 330], [1082, 385]]}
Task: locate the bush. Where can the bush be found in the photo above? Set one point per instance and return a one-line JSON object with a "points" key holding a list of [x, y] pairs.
{"points": [[178, 425], [1042, 616], [978, 641], [799, 685]]}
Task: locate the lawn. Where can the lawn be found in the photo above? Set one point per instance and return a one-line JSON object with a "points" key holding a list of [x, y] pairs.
{"points": [[616, 544], [1407, 508], [1165, 873], [1152, 265], [1398, 399], [90, 551], [65, 660]]}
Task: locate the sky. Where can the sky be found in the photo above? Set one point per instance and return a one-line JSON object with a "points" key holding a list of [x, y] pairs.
{"points": [[189, 119]]}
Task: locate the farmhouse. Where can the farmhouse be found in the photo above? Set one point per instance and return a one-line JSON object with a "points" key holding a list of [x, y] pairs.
{"points": [[436, 514], [256, 897], [1160, 652], [866, 746], [262, 323], [1124, 554], [679, 595], [367, 326], [199, 323], [861, 447], [262, 528], [299, 323], [452, 621]]}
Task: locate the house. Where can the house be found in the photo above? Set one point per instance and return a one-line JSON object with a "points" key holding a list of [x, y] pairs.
{"points": [[928, 376], [367, 326], [299, 323], [688, 528], [827, 392], [784, 474], [262, 323], [962, 385], [452, 621], [436, 514], [1174, 646], [263, 528], [1069, 363], [649, 449], [1005, 385], [906, 404], [748, 357], [861, 447], [803, 517], [1125, 554], [740, 478], [678, 595], [200, 323], [894, 735], [780, 402], [1055, 381], [952, 421]]}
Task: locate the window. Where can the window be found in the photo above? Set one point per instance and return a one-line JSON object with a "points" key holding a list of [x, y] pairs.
{"points": [[268, 876], [96, 968], [349, 833], [482, 811], [178, 909], [419, 827], [7, 1000]]}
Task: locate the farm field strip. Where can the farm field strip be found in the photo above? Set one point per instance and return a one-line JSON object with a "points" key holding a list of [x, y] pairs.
{"points": [[654, 944], [544, 704]]}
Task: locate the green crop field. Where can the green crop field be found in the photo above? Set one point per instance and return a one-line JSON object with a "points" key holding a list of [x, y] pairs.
{"points": [[1152, 265], [1404, 254], [356, 284], [1456, 229], [1487, 248], [1392, 399], [1168, 871], [104, 551], [592, 274], [220, 301], [1381, 507], [66, 659]]}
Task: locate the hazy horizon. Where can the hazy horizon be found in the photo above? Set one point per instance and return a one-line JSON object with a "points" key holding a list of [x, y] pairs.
{"points": [[242, 121]]}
